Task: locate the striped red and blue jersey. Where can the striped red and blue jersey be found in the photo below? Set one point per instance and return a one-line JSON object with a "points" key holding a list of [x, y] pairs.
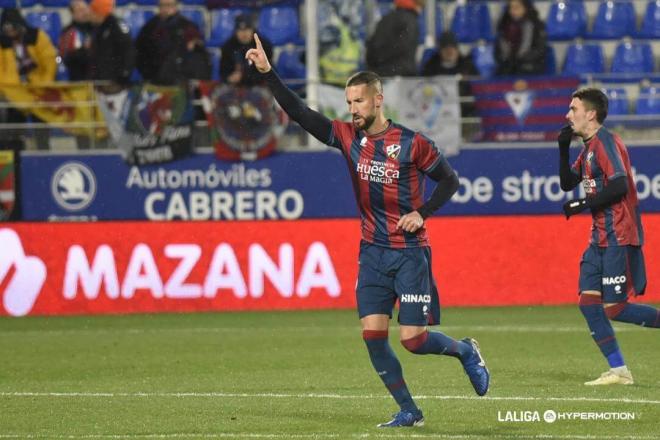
{"points": [[387, 170], [603, 158]]}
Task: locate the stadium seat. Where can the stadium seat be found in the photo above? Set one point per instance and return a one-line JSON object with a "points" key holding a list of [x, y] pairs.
{"points": [[614, 19], [197, 16], [47, 3], [135, 19], [648, 102], [280, 24], [484, 59], [222, 25], [471, 22], [291, 68], [215, 63], [617, 101], [428, 53], [143, 2], [62, 73], [566, 20], [634, 59], [49, 22], [550, 60], [651, 21], [194, 2], [584, 58], [439, 24]]}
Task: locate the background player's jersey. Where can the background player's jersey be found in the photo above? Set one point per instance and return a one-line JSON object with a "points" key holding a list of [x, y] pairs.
{"points": [[387, 171], [603, 158]]}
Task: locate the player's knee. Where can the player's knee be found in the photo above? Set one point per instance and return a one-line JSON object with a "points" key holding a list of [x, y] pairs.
{"points": [[413, 344], [587, 300], [614, 310]]}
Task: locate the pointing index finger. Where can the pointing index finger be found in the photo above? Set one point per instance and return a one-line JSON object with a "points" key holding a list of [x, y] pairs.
{"points": [[258, 41]]}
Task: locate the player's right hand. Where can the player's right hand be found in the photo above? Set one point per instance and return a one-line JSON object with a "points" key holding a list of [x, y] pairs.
{"points": [[258, 56], [565, 137]]}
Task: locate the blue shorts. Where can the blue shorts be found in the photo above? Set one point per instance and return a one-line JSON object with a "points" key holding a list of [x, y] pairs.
{"points": [[617, 272], [387, 275]]}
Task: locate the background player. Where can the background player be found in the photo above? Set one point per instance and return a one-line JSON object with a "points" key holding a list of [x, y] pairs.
{"points": [[387, 163], [612, 267]]}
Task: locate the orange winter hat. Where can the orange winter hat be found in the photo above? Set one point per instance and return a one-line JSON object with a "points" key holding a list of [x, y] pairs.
{"points": [[102, 7]]}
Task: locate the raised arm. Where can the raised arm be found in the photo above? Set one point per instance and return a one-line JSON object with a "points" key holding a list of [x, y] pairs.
{"points": [[567, 178], [313, 122]]}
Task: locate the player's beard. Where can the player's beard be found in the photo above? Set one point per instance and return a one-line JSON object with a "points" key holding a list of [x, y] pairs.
{"points": [[366, 122]]}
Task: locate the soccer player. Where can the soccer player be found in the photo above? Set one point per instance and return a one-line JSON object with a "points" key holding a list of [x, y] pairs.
{"points": [[612, 267], [387, 163]]}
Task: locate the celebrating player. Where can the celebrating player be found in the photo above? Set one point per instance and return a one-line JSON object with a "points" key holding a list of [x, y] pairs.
{"points": [[387, 163], [612, 267]]}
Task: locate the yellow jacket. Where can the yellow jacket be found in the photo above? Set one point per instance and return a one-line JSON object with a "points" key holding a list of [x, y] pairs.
{"points": [[40, 49]]}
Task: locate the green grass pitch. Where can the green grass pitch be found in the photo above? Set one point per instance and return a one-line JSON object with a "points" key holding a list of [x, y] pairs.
{"points": [[306, 375]]}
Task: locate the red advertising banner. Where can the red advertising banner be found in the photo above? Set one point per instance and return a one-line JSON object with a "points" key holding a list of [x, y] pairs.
{"points": [[141, 267]]}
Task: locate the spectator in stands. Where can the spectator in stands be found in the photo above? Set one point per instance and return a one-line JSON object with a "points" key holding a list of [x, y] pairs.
{"points": [[27, 56], [234, 68], [392, 47], [170, 48], [112, 55], [75, 41], [521, 40], [340, 51], [448, 60], [26, 53]]}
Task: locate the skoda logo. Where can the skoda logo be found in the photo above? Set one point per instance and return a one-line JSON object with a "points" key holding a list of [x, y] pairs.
{"points": [[73, 186]]}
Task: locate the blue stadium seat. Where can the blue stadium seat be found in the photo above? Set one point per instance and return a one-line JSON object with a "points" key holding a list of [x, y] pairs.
{"points": [[484, 59], [567, 19], [222, 25], [584, 58], [550, 60], [634, 59], [280, 24], [50, 22], [428, 53], [614, 19], [648, 102], [62, 73], [197, 16], [143, 2], [471, 22], [651, 22], [215, 63], [291, 68], [439, 24], [135, 19], [617, 101], [194, 2], [47, 3], [8, 3]]}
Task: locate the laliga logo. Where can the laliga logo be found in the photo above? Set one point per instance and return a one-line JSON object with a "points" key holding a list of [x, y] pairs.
{"points": [[29, 276], [73, 186]]}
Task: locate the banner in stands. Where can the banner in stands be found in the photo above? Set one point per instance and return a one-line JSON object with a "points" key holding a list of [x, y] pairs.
{"points": [[429, 105], [149, 124], [145, 267], [290, 186], [528, 109], [7, 193], [244, 122], [70, 107]]}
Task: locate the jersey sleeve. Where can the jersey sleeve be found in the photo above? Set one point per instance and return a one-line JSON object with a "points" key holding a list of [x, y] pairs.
{"points": [[576, 168], [610, 160], [341, 136], [426, 155]]}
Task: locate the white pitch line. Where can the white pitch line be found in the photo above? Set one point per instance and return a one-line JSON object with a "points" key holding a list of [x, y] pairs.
{"points": [[321, 396]]}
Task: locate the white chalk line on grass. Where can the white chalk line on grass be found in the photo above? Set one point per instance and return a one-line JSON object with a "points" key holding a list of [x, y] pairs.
{"points": [[319, 396], [406, 435]]}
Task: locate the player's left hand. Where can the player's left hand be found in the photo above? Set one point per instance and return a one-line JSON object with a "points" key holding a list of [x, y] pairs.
{"points": [[575, 206], [410, 222]]}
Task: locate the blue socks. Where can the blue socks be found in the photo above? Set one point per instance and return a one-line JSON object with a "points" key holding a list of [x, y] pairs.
{"points": [[602, 332], [388, 368], [436, 343], [639, 314]]}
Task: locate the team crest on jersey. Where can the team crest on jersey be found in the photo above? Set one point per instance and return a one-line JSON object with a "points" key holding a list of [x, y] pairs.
{"points": [[393, 151], [590, 156], [363, 141]]}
